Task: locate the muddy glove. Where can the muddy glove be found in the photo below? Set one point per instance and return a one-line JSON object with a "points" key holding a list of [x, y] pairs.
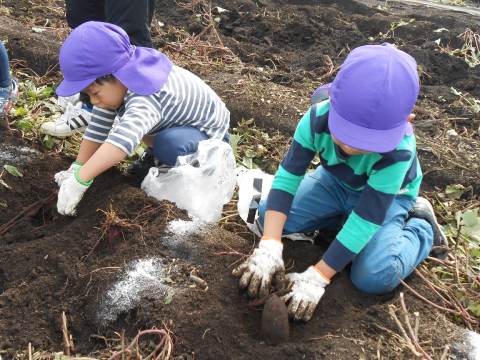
{"points": [[70, 194], [307, 290], [258, 270], [61, 176]]}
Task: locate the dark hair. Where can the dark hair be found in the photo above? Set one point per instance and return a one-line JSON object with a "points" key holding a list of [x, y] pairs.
{"points": [[108, 78]]}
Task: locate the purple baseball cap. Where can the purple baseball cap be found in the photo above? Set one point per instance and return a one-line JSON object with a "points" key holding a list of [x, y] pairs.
{"points": [[372, 97], [95, 49]]}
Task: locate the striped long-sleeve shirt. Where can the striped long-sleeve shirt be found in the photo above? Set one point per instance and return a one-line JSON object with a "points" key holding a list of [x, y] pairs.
{"points": [[379, 177], [184, 100]]}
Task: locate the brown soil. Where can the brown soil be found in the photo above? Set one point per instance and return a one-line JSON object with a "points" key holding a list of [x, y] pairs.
{"points": [[44, 267]]}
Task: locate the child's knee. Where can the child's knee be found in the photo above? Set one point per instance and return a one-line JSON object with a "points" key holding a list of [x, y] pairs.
{"points": [[376, 277]]}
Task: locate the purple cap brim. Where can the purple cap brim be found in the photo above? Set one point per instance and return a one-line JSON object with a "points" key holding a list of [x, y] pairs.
{"points": [[320, 94], [69, 88], [362, 138]]}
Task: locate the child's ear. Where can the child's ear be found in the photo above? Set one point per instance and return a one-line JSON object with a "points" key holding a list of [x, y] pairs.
{"points": [[411, 117]]}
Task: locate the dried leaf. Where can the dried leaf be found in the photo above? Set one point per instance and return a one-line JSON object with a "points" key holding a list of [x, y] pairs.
{"points": [[38, 30], [168, 280]]}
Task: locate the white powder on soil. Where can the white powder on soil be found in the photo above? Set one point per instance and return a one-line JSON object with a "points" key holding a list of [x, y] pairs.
{"points": [[474, 340], [15, 155], [466, 345], [180, 227], [139, 279]]}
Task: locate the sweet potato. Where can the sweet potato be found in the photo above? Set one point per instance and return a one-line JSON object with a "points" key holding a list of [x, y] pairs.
{"points": [[275, 327]]}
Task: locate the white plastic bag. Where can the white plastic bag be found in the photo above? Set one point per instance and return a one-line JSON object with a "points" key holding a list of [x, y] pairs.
{"points": [[251, 184], [199, 183], [254, 186]]}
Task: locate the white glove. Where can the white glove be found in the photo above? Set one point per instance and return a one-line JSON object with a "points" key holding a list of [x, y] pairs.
{"points": [[70, 194], [306, 293], [61, 176], [258, 270]]}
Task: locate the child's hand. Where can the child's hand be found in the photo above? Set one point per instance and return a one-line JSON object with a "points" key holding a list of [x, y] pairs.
{"points": [[70, 194], [264, 264], [61, 176], [307, 290]]}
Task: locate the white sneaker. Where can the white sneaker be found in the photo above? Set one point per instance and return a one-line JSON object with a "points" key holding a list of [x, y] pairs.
{"points": [[63, 101], [75, 119]]}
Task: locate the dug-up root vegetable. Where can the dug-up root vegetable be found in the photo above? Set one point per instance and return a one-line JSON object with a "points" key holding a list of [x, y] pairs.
{"points": [[275, 326]]}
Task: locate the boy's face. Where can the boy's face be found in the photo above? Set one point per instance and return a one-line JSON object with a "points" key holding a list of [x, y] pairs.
{"points": [[109, 95], [348, 149]]}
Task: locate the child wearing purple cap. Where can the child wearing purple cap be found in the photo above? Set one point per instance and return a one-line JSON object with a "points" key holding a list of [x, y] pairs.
{"points": [[370, 177], [168, 108]]}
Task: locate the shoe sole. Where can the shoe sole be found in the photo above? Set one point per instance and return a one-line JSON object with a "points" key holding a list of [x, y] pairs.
{"points": [[427, 203], [65, 133]]}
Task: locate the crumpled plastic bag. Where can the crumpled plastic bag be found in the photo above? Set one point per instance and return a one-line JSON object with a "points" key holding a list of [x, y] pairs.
{"points": [[199, 183], [253, 186]]}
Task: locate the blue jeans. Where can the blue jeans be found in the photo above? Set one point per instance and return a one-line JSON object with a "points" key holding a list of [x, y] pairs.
{"points": [[178, 141], [323, 202], [4, 67]]}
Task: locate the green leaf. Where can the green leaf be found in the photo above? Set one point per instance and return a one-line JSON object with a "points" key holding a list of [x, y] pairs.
{"points": [[21, 111], [23, 125], [248, 122], [169, 297], [4, 184], [452, 90], [13, 170], [455, 191], [37, 29], [45, 92], [217, 19], [412, 20], [475, 108], [249, 153], [247, 161], [168, 280], [475, 254], [470, 217], [4, 204], [234, 139], [475, 309], [49, 142]]}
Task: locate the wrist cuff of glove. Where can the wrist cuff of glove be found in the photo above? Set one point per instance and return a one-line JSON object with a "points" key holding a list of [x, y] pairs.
{"points": [[321, 273], [80, 181], [77, 163], [271, 238]]}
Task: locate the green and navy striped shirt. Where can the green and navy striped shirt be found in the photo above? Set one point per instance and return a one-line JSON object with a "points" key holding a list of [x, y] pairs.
{"points": [[379, 177]]}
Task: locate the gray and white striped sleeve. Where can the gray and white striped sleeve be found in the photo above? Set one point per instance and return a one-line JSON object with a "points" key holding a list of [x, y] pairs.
{"points": [[141, 115], [100, 125]]}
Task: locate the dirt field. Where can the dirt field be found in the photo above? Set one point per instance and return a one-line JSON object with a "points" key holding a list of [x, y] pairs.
{"points": [[51, 264]]}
